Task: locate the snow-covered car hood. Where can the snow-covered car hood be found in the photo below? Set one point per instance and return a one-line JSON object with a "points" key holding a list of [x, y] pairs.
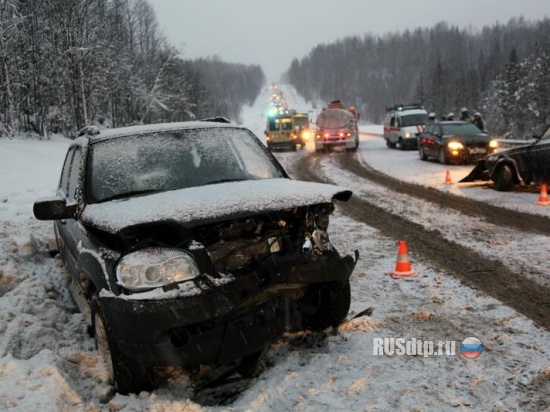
{"points": [[198, 205]]}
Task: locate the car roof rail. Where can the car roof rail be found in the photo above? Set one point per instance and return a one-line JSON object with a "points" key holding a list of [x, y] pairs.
{"points": [[217, 119], [89, 131]]}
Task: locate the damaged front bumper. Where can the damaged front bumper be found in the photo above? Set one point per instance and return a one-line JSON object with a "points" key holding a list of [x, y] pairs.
{"points": [[217, 322], [479, 173]]}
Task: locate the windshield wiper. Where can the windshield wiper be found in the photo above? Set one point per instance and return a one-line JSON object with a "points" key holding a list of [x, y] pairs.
{"points": [[214, 182], [129, 194]]}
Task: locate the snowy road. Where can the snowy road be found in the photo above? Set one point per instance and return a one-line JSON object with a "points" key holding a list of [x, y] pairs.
{"points": [[48, 361]]}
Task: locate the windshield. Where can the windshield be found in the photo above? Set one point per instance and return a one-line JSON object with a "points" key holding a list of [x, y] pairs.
{"points": [[174, 160], [413, 119], [460, 128], [302, 121], [335, 119], [280, 123]]}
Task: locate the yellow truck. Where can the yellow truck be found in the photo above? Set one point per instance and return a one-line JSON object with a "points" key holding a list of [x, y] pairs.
{"points": [[288, 130]]}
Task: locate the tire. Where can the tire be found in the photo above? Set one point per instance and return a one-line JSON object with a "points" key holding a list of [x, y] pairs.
{"points": [[326, 304], [401, 144], [504, 178], [390, 144], [251, 366], [421, 153], [442, 157], [125, 375]]}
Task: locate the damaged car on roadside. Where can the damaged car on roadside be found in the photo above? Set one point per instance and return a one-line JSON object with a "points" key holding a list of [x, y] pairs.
{"points": [[188, 245], [525, 165]]}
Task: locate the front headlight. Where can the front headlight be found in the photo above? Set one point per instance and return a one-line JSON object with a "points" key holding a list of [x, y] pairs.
{"points": [[455, 146], [154, 267], [493, 144], [407, 134]]}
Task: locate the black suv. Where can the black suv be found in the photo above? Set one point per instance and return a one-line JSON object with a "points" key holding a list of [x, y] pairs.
{"points": [[528, 164], [188, 245]]}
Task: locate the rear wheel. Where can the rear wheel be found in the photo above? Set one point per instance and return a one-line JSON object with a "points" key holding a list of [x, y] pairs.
{"points": [[421, 153], [390, 144], [504, 178], [326, 304], [125, 375]]}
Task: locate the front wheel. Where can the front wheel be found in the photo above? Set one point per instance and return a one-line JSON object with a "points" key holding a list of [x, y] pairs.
{"points": [[442, 157], [125, 375], [504, 178], [326, 304]]}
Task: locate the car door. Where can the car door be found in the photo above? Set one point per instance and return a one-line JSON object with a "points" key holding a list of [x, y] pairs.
{"points": [[429, 140], [541, 157], [67, 229]]}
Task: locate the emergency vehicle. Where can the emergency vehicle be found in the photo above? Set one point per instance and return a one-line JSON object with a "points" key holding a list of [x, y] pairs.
{"points": [[403, 124], [287, 130], [337, 127]]}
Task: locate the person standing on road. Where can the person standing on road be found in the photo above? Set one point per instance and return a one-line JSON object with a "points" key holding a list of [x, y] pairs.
{"points": [[431, 117], [465, 115], [478, 121]]}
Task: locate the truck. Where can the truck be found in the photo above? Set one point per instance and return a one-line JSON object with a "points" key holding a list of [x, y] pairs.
{"points": [[337, 127], [287, 130]]}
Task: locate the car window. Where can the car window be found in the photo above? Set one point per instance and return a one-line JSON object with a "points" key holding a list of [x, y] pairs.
{"points": [[64, 181], [73, 176], [429, 129], [460, 128], [301, 121], [546, 134], [174, 160], [414, 119]]}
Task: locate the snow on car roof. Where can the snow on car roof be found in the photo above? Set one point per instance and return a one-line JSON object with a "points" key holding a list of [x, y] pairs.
{"points": [[159, 127], [197, 205]]}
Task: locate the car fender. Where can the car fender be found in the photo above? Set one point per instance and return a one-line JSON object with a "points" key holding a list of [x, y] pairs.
{"points": [[505, 160], [93, 265]]}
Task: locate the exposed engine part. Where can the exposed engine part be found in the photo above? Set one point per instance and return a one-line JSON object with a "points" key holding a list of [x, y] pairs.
{"points": [[321, 242]]}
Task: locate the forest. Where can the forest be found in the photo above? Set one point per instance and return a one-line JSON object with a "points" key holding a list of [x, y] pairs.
{"points": [[501, 71], [65, 64]]}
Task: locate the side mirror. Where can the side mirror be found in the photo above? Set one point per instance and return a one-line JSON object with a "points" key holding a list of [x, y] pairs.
{"points": [[53, 209]]}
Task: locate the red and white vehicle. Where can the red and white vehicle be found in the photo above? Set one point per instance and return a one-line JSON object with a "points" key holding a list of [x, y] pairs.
{"points": [[337, 127], [403, 124]]}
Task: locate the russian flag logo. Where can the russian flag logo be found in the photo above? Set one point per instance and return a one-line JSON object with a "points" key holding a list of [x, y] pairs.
{"points": [[471, 347]]}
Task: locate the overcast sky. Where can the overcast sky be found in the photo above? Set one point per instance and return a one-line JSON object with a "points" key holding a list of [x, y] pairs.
{"points": [[272, 33]]}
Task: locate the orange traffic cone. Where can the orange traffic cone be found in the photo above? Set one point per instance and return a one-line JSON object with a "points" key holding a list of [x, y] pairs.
{"points": [[448, 180], [543, 198], [403, 266]]}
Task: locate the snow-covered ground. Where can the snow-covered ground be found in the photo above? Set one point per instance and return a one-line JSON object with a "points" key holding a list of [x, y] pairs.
{"points": [[48, 362]]}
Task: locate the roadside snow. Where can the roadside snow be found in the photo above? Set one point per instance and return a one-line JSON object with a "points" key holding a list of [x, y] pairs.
{"points": [[49, 363]]}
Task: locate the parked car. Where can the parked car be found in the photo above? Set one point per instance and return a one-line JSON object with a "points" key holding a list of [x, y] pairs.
{"points": [[187, 244], [403, 124], [525, 165], [454, 142]]}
